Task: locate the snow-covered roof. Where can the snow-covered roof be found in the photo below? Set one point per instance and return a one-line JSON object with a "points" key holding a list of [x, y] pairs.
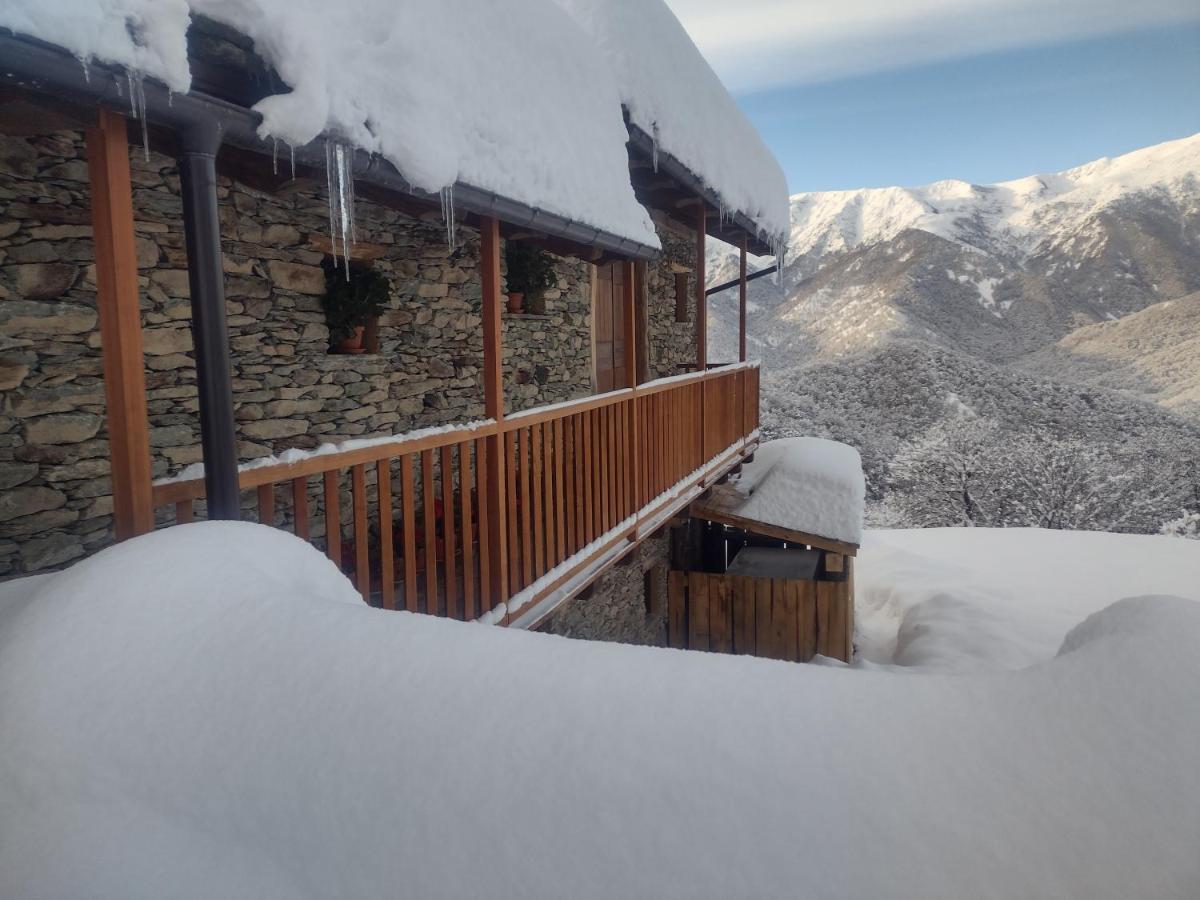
{"points": [[514, 98], [673, 95], [805, 484]]}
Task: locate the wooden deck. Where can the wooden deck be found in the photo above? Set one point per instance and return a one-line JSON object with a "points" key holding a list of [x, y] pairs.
{"points": [[418, 524]]}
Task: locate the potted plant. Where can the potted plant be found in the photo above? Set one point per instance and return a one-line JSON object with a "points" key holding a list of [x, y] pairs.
{"points": [[352, 299], [530, 275]]}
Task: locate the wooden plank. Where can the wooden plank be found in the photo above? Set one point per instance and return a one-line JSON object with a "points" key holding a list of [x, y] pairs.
{"points": [[629, 323], [792, 601], [266, 504], [806, 619], [742, 601], [536, 486], [514, 545], [486, 587], [184, 512], [362, 563], [561, 493], [449, 540], [467, 521], [120, 325], [602, 476], [429, 508], [300, 507], [591, 517], [409, 526], [580, 486], [551, 498], [333, 517], [677, 609], [698, 609], [825, 604], [720, 623], [523, 465], [783, 618], [387, 549], [763, 642], [570, 472]]}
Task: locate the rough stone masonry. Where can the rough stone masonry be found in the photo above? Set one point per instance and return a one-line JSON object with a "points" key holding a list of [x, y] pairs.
{"points": [[289, 391]]}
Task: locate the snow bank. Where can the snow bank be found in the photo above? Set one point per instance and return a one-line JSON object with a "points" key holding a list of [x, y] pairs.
{"points": [[511, 97], [673, 95], [969, 599], [805, 484], [171, 727]]}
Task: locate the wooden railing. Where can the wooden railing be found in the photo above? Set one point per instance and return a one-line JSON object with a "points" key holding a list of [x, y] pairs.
{"points": [[412, 529]]}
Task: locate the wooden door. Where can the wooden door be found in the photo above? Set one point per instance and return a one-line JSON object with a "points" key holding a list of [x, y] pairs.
{"points": [[608, 327]]}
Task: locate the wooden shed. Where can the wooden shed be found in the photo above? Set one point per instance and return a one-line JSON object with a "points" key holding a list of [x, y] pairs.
{"points": [[743, 586]]}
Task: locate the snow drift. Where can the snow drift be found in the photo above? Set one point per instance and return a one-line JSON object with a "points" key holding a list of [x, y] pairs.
{"points": [[210, 711]]}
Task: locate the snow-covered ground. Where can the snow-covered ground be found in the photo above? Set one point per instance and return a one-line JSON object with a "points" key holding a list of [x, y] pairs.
{"points": [[210, 711], [969, 599]]}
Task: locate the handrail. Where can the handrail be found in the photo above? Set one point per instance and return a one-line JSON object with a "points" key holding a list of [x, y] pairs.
{"points": [[166, 493]]}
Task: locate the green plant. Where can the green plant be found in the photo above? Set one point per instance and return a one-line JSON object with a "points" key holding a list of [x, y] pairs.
{"points": [[530, 270], [353, 299]]}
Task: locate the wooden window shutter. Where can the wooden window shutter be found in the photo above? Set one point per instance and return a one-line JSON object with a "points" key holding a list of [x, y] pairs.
{"points": [[681, 296]]}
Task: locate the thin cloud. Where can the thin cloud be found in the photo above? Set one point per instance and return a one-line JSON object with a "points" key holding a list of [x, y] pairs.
{"points": [[758, 44]]}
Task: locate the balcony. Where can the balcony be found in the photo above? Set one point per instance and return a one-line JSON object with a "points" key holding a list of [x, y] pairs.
{"points": [[501, 519]]}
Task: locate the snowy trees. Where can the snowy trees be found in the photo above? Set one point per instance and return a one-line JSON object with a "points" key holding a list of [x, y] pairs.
{"points": [[969, 472]]}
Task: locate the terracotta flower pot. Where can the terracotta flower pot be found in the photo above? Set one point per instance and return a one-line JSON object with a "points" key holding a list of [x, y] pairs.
{"points": [[352, 344], [516, 302]]}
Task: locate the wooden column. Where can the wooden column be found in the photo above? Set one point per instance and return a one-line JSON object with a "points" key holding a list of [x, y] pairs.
{"points": [[120, 325], [630, 442], [701, 297], [742, 303], [495, 582]]}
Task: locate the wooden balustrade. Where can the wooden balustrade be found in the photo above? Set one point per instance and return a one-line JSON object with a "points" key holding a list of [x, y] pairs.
{"points": [[408, 519]]}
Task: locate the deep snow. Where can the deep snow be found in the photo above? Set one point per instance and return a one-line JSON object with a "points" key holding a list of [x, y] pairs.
{"points": [[211, 711]]}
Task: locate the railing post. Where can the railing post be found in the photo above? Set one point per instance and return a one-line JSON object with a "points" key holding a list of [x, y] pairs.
{"points": [[120, 325], [742, 303], [210, 333], [631, 379], [701, 295], [496, 581]]}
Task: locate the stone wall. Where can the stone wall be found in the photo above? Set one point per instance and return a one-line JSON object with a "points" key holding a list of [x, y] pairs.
{"points": [[288, 390], [671, 344], [614, 608]]}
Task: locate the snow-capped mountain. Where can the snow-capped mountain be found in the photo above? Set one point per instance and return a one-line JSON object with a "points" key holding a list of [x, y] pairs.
{"points": [[1054, 308], [997, 270]]}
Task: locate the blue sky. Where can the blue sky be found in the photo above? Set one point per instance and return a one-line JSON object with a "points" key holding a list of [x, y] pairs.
{"points": [[982, 90]]}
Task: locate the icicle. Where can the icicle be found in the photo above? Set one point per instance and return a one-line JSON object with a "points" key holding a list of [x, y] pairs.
{"points": [[87, 73], [292, 147], [274, 156], [332, 195], [345, 216], [117, 82], [170, 98], [447, 196], [137, 105]]}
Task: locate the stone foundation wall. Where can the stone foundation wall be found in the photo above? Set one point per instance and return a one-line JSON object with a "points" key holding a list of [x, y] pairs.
{"points": [[614, 608], [56, 505]]}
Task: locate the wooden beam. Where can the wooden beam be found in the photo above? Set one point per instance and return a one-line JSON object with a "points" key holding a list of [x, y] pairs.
{"points": [[742, 303], [701, 297], [722, 502], [495, 581], [120, 325]]}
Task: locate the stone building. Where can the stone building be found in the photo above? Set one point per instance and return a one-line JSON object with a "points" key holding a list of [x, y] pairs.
{"points": [[429, 352]]}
